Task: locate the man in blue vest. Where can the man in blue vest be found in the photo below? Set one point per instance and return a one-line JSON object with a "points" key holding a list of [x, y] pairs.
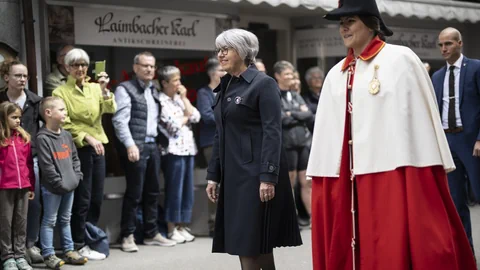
{"points": [[137, 129], [457, 87]]}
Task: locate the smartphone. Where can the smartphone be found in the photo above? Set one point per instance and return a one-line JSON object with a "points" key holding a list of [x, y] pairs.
{"points": [[99, 67]]}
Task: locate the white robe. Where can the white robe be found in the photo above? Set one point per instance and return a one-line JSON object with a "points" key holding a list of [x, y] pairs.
{"points": [[400, 126]]}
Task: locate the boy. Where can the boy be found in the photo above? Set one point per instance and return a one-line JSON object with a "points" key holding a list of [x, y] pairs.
{"points": [[60, 172]]}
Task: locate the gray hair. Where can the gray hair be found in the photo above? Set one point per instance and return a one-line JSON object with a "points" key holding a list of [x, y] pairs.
{"points": [[311, 71], [61, 47], [166, 73], [136, 59], [280, 66], [76, 55], [242, 41]]}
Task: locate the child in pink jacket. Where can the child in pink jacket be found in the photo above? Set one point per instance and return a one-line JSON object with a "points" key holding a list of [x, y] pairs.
{"points": [[17, 182]]}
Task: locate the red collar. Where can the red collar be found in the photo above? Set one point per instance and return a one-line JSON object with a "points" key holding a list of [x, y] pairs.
{"points": [[375, 46]]}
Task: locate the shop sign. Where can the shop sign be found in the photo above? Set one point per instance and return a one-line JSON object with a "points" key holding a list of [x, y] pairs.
{"points": [[123, 28], [326, 42]]}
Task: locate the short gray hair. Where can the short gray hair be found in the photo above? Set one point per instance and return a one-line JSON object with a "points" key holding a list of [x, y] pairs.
{"points": [[136, 59], [242, 41], [167, 72], [280, 66], [311, 71], [61, 47], [76, 55]]}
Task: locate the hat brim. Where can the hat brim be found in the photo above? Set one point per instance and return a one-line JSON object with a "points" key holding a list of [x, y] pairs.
{"points": [[336, 14]]}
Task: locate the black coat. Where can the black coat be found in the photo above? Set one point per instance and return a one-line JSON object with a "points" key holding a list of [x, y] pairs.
{"points": [[312, 103], [248, 150], [30, 115], [295, 125]]}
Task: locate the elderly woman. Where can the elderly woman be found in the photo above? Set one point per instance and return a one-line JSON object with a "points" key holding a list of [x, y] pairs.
{"points": [[86, 102], [296, 136], [255, 210], [177, 116], [379, 159]]}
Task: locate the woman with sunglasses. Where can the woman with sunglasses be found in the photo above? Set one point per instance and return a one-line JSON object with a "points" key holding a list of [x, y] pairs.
{"points": [[86, 102]]}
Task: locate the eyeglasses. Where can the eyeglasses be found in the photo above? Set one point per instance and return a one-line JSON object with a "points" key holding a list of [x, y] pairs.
{"points": [[78, 65], [147, 66], [21, 76], [222, 51]]}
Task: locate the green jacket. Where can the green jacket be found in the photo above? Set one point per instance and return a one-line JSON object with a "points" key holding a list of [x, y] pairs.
{"points": [[85, 109]]}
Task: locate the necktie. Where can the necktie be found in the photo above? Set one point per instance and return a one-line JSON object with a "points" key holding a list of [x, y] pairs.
{"points": [[452, 120]]}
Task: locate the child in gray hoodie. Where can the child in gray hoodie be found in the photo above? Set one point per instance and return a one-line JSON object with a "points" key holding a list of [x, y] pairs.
{"points": [[60, 175]]}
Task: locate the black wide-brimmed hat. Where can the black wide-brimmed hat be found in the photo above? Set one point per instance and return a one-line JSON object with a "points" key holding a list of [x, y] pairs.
{"points": [[358, 7]]}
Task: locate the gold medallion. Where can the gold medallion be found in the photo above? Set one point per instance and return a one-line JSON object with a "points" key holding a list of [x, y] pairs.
{"points": [[374, 86]]}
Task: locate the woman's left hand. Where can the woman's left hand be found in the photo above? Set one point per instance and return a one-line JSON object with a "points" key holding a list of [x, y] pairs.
{"points": [[103, 80], [267, 191], [31, 195]]}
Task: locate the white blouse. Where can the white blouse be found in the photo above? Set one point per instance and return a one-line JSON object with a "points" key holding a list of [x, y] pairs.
{"points": [[181, 140]]}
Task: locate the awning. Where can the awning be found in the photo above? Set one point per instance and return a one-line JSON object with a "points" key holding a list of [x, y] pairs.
{"points": [[310, 4], [434, 9]]}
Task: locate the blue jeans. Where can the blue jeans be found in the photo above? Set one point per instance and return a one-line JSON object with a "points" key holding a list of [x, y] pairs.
{"points": [[34, 210], [178, 172], [56, 205]]}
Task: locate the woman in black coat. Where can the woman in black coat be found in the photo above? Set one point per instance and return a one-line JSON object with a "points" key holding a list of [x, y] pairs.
{"points": [[255, 210]]}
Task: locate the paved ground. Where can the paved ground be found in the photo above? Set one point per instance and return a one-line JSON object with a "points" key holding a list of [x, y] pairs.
{"points": [[193, 256], [197, 256]]}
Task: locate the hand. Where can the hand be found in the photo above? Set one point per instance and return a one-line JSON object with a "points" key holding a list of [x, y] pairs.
{"points": [[303, 108], [212, 192], [476, 149], [103, 80], [185, 120], [267, 191], [96, 144], [31, 195], [288, 113], [133, 153], [182, 91]]}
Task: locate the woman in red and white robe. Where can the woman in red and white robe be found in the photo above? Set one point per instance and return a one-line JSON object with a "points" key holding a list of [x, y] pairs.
{"points": [[378, 162]]}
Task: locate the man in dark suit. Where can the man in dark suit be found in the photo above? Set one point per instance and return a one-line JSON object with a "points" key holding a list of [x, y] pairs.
{"points": [[457, 87]]}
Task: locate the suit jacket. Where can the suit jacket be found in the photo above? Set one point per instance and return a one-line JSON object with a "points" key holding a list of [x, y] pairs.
{"points": [[469, 97], [205, 98]]}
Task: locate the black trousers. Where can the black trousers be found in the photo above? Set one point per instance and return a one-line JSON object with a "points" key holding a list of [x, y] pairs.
{"points": [[142, 190], [89, 193]]}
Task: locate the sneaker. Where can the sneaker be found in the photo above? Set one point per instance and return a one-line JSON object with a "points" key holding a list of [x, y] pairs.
{"points": [[34, 255], [73, 257], [185, 232], [128, 244], [10, 264], [22, 264], [91, 255], [176, 236], [159, 240], [53, 262]]}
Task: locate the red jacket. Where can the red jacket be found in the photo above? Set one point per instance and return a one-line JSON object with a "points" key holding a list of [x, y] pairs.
{"points": [[16, 164]]}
